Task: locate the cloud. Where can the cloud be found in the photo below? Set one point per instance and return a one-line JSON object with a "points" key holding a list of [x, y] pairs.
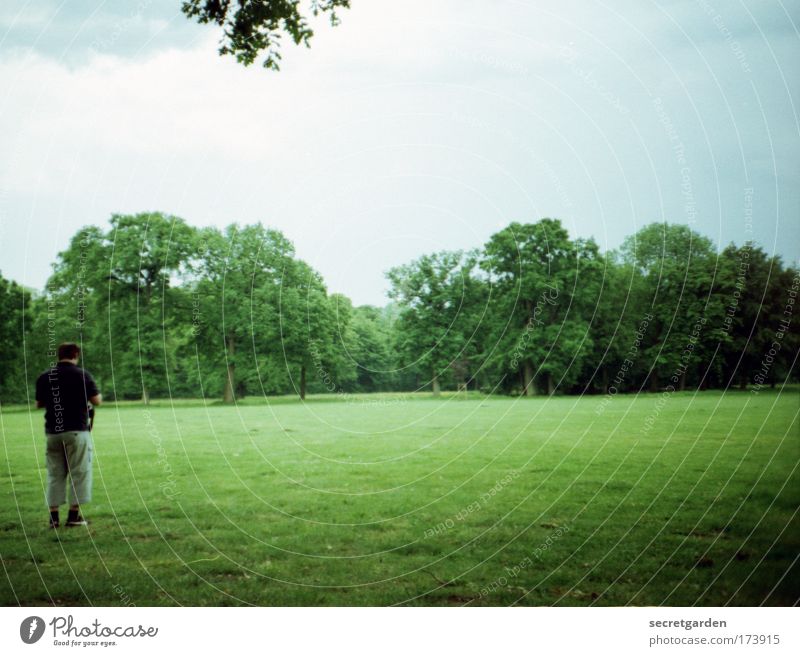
{"points": [[411, 127], [71, 32]]}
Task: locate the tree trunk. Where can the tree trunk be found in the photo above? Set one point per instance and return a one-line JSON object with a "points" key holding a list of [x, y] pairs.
{"points": [[743, 381], [682, 382], [653, 381], [527, 379], [550, 388], [228, 395], [437, 390], [148, 292], [303, 382], [604, 380]]}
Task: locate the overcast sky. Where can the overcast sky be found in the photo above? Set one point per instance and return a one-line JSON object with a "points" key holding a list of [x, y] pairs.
{"points": [[414, 126]]}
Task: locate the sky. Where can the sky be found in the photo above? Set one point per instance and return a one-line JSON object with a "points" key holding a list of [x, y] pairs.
{"points": [[411, 127]]}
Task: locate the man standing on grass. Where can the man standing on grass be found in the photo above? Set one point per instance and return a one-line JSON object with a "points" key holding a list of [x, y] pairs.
{"points": [[65, 390]]}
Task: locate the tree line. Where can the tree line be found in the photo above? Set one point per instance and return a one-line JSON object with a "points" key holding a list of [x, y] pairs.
{"points": [[163, 309]]}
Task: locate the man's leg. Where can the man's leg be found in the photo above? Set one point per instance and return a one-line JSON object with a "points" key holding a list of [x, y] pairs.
{"points": [[56, 458], [79, 459]]}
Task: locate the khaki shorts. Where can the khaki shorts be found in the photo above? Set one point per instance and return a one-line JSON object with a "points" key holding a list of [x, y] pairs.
{"points": [[69, 455]]}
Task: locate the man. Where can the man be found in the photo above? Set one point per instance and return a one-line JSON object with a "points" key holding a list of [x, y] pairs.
{"points": [[64, 391]]}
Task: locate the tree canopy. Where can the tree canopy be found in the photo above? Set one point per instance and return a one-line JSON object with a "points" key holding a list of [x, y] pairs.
{"points": [[163, 309], [252, 28]]}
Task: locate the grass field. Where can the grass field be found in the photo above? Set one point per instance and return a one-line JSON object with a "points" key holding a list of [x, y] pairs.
{"points": [[678, 500]]}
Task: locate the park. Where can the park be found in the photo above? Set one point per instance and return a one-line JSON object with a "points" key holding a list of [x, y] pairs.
{"points": [[532, 422], [336, 303]]}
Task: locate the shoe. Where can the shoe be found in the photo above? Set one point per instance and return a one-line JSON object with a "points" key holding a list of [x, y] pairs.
{"points": [[54, 523], [76, 521]]}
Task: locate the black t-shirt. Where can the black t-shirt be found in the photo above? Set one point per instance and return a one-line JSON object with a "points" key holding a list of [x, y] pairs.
{"points": [[65, 391]]}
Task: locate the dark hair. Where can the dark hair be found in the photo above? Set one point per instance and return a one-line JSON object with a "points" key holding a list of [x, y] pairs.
{"points": [[68, 351]]}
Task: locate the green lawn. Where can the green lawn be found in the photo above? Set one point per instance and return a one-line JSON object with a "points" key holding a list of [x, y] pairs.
{"points": [[679, 500]]}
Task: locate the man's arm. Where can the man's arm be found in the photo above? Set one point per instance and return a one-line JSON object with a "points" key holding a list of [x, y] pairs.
{"points": [[92, 393], [39, 393]]}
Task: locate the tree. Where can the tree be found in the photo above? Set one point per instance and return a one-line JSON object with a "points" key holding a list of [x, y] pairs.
{"points": [[370, 348], [541, 281], [113, 291], [615, 320], [146, 252], [307, 324], [436, 326], [677, 267], [783, 318], [236, 284], [15, 329], [340, 373], [255, 26], [74, 306], [750, 283]]}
